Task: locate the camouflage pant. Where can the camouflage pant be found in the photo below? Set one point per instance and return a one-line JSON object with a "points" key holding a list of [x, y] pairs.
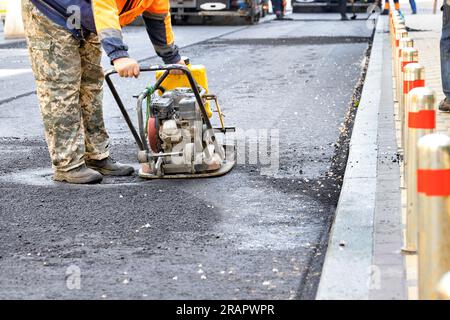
{"points": [[69, 80]]}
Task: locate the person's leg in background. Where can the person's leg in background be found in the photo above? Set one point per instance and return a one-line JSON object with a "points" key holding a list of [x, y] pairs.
{"points": [[413, 5], [386, 7], [445, 57], [343, 9], [277, 8], [353, 17]]}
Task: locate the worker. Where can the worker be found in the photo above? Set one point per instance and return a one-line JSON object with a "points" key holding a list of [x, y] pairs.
{"points": [[387, 6], [343, 9], [444, 105], [412, 3], [279, 8], [64, 41]]}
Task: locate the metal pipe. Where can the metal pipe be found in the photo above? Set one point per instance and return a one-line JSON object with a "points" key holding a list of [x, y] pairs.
{"points": [[122, 109], [219, 111], [140, 117], [421, 117], [433, 176], [169, 154]]}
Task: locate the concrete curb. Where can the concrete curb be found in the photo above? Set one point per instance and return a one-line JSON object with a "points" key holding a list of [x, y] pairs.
{"points": [[348, 262]]}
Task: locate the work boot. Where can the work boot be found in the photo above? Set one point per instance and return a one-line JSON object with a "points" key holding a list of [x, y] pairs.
{"points": [[444, 105], [109, 167], [344, 17], [79, 175]]}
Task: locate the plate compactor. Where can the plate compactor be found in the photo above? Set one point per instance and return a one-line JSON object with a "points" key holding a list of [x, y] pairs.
{"points": [[175, 136]]}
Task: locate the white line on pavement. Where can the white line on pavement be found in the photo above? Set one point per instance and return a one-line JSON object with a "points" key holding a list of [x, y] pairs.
{"points": [[4, 73]]}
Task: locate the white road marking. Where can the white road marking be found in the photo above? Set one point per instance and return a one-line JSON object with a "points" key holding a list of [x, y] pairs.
{"points": [[4, 73]]}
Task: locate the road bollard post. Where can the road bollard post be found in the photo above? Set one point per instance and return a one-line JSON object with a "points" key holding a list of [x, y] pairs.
{"points": [[421, 120], [403, 43], [413, 77], [400, 34], [393, 18], [395, 24], [433, 187], [409, 55], [443, 288]]}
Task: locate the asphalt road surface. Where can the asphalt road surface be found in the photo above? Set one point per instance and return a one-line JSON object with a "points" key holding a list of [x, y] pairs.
{"points": [[252, 234]]}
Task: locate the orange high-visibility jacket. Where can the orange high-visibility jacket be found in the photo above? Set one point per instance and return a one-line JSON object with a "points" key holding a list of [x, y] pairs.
{"points": [[111, 15]]}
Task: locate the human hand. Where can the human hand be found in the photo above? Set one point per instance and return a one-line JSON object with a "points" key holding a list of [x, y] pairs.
{"points": [[178, 72], [126, 67]]}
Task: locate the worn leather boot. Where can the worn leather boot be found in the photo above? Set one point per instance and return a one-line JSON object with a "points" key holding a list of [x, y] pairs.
{"points": [[109, 167], [79, 175], [444, 105]]}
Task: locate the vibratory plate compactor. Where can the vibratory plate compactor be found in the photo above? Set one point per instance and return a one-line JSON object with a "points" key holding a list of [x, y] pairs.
{"points": [[175, 136]]}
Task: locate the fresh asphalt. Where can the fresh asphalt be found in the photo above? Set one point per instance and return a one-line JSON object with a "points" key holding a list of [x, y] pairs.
{"points": [[252, 234]]}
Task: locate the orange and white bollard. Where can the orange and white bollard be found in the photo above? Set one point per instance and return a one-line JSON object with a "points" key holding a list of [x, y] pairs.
{"points": [[393, 19], [396, 23], [443, 288], [421, 120], [409, 55], [398, 19], [433, 186], [413, 77], [403, 43], [400, 34]]}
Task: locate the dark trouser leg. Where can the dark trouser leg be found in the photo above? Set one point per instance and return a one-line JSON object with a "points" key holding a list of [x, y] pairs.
{"points": [[412, 3], [343, 8], [445, 50]]}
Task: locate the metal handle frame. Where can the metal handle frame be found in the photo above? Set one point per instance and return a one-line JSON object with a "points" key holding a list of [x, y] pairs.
{"points": [[139, 135]]}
